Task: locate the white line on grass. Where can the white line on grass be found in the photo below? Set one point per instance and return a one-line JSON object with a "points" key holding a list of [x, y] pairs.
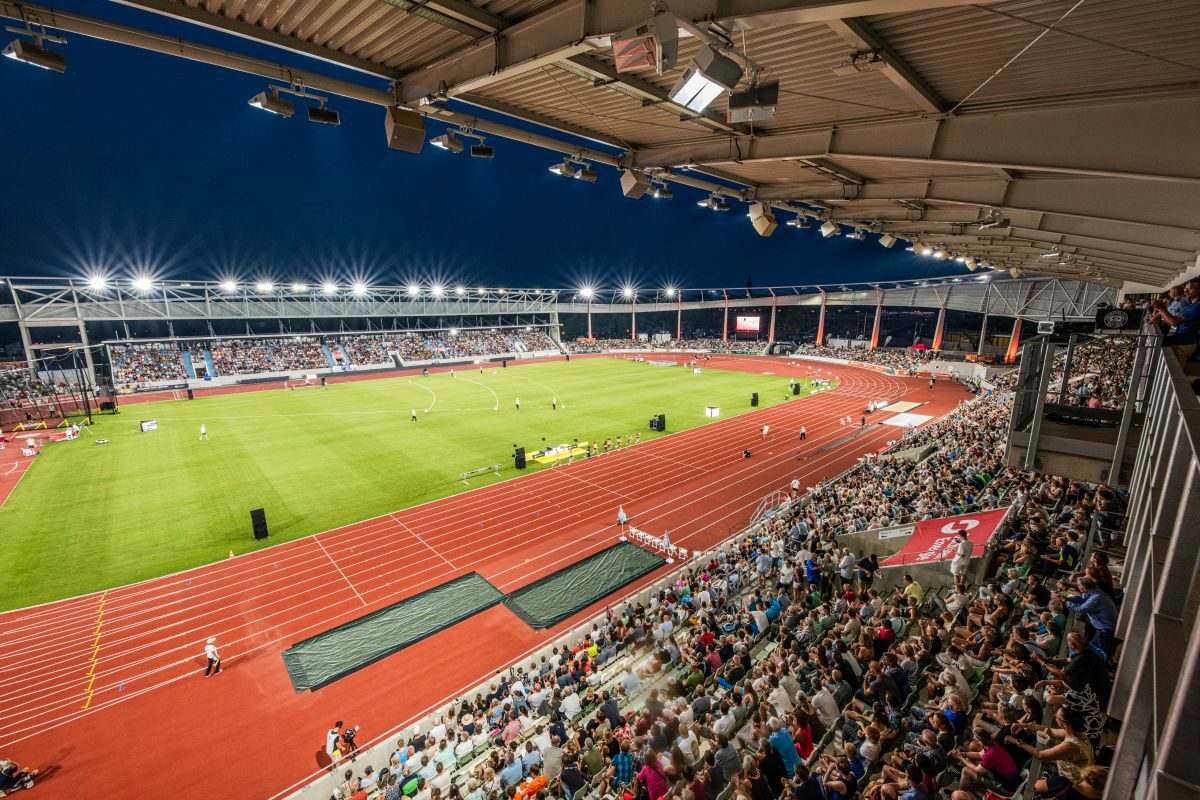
{"points": [[429, 407], [490, 389]]}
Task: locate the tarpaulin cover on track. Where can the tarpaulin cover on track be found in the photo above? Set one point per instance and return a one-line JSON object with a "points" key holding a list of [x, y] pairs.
{"points": [[322, 659], [933, 539], [557, 596]]}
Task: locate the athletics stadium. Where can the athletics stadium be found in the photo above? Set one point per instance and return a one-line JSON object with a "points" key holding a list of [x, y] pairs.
{"points": [[494, 399]]}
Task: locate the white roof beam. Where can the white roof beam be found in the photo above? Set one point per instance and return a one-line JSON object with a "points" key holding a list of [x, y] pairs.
{"points": [[859, 35], [1150, 139]]}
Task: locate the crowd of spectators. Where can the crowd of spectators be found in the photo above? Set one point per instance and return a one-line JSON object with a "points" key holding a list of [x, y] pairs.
{"points": [[20, 390], [1099, 375], [901, 359], [139, 364], [699, 343], [250, 356], [780, 668]]}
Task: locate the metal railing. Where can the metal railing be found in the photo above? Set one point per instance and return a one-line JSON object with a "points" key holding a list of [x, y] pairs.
{"points": [[1156, 694]]}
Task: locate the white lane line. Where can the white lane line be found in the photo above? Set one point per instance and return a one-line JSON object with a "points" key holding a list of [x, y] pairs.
{"points": [[490, 389], [339, 569], [422, 541], [429, 407]]}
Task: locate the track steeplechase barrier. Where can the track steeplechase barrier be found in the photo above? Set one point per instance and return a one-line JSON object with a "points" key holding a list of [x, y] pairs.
{"points": [[494, 468]]}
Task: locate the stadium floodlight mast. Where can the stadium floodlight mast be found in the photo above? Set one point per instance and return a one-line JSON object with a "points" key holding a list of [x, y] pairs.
{"points": [[587, 293]]}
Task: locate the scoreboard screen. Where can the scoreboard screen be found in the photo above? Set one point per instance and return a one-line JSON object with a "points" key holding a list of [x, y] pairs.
{"points": [[752, 324]]}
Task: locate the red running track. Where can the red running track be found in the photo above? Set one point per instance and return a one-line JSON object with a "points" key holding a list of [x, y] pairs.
{"points": [[150, 715]]}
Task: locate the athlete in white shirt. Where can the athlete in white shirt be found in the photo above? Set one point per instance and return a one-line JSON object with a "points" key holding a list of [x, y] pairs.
{"points": [[214, 658]]}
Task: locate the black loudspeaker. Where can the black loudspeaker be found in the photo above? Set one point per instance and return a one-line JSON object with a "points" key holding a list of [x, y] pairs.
{"points": [[108, 405], [754, 399], [519, 458], [405, 130], [258, 521], [653, 423], [662, 422], [795, 388], [190, 397]]}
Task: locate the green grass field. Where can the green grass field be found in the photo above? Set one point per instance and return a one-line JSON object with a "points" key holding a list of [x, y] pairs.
{"points": [[87, 517]]}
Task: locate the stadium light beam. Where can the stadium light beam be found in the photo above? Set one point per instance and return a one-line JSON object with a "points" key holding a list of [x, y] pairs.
{"points": [[460, 290], [228, 286], [413, 290], [449, 142], [142, 283], [329, 287], [97, 283], [359, 289], [436, 290], [299, 288], [264, 286]]}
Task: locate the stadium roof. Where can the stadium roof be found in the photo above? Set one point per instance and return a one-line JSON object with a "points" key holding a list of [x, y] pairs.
{"points": [[1053, 136]]}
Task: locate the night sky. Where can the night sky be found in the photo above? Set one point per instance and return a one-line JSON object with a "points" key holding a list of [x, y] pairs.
{"points": [[137, 161]]}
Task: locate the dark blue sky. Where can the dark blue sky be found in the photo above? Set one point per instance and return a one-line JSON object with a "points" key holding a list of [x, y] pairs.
{"points": [[137, 160]]}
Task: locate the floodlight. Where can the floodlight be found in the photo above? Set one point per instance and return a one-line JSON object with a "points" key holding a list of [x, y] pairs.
{"points": [[460, 291], [436, 290], [265, 286], [829, 228], [627, 292], [709, 74], [800, 222], [586, 174], [97, 283], [566, 169], [586, 292], [670, 291], [858, 234], [228, 286], [35, 55], [329, 287], [299, 288], [941, 254], [887, 240], [142, 284], [454, 331], [663, 192], [482, 150], [324, 116], [650, 44], [413, 290], [448, 141], [358, 289], [272, 102]]}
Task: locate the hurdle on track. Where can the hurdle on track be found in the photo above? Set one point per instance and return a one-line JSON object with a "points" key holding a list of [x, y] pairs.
{"points": [[655, 543], [494, 468]]}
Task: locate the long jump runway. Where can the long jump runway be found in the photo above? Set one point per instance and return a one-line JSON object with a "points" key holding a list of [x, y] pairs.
{"points": [[96, 686]]}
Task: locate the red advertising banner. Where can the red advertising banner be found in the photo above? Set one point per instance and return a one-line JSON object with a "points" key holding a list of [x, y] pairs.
{"points": [[933, 539]]}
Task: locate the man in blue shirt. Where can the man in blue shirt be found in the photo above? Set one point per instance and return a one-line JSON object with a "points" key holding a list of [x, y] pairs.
{"points": [[783, 743], [1100, 610], [1186, 326]]}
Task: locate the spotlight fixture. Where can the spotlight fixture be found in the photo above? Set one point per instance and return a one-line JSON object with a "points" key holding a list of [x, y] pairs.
{"points": [[566, 169], [299, 288], [413, 290], [272, 102], [436, 290], [142, 284], [670, 291], [329, 287], [97, 283], [995, 219], [324, 116], [627, 292], [460, 291], [714, 202], [800, 222], [1055, 252], [829, 228], [448, 141], [35, 54], [587, 292], [709, 75], [358, 289], [887, 240], [653, 43], [229, 286], [264, 286], [482, 150], [858, 234], [663, 192], [586, 174], [941, 254]]}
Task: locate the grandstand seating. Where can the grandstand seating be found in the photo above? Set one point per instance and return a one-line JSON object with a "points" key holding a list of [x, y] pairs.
{"points": [[737, 679]]}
